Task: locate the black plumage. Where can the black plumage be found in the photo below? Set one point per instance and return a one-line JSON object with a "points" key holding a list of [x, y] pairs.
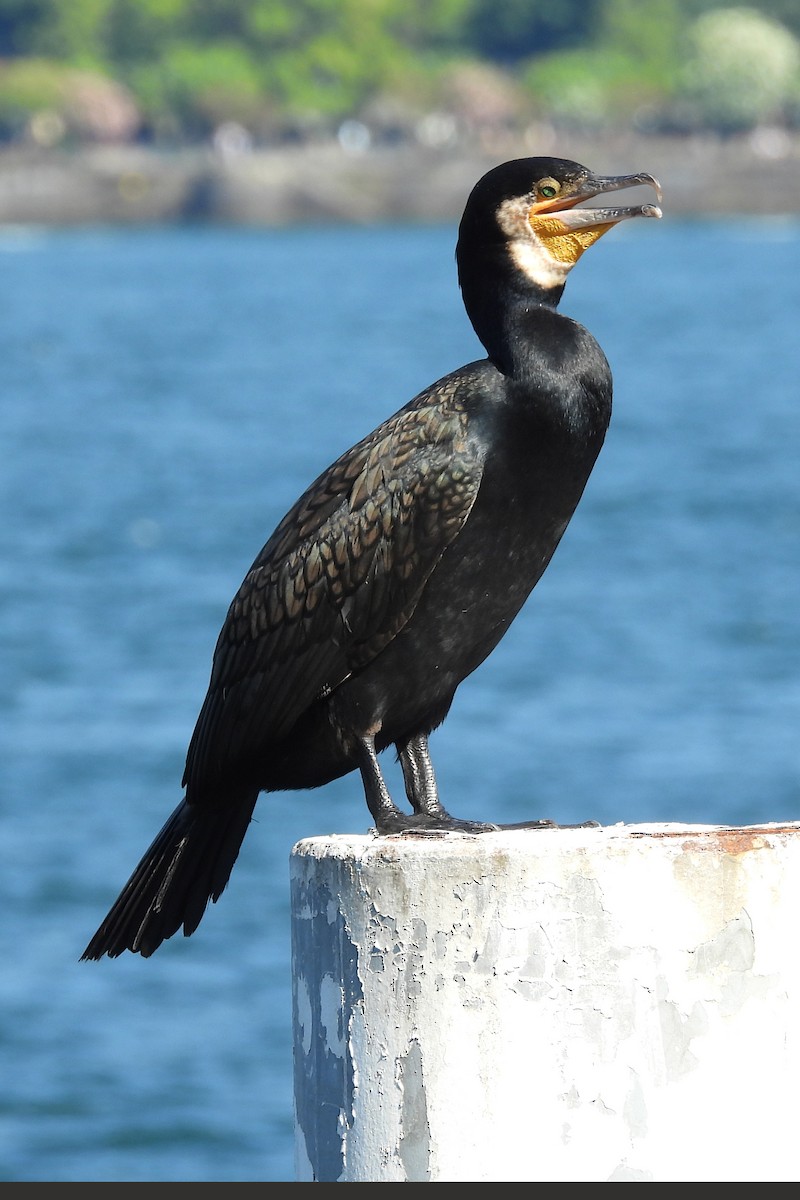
{"points": [[400, 568]]}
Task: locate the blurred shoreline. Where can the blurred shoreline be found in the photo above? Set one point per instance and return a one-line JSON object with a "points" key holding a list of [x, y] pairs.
{"points": [[330, 182]]}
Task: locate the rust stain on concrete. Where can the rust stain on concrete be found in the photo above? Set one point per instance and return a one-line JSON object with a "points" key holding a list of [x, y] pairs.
{"points": [[734, 840]]}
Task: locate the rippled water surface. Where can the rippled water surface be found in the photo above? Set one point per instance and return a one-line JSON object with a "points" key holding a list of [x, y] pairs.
{"points": [[165, 395]]}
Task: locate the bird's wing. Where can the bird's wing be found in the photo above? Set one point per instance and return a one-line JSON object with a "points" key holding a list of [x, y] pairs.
{"points": [[339, 577]]}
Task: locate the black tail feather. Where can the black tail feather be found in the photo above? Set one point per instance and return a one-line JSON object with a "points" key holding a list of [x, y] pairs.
{"points": [[188, 864]]}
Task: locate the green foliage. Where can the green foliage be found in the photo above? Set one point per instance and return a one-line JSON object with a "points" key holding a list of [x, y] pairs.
{"points": [[510, 31], [26, 86], [647, 34], [190, 89], [50, 102], [785, 12], [741, 69], [628, 71], [71, 33], [191, 64], [591, 88]]}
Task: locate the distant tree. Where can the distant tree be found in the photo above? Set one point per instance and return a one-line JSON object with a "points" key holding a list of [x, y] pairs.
{"points": [[19, 22], [626, 70], [189, 90], [47, 103], [741, 69], [646, 34], [508, 31], [72, 33], [785, 12]]}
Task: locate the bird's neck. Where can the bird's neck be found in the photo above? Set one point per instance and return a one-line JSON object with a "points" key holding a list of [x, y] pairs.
{"points": [[508, 315]]}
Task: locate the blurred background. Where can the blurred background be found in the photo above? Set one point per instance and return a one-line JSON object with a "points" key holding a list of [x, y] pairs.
{"points": [[269, 111], [226, 250]]}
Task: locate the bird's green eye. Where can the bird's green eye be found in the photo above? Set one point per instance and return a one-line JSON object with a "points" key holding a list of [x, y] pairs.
{"points": [[548, 188]]}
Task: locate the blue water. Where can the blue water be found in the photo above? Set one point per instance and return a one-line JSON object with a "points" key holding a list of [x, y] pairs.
{"points": [[164, 396]]}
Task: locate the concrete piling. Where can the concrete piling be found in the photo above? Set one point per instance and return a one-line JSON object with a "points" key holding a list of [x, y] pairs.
{"points": [[563, 1005]]}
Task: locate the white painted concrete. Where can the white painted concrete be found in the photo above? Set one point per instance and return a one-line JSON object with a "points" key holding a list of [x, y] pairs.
{"points": [[607, 1004]]}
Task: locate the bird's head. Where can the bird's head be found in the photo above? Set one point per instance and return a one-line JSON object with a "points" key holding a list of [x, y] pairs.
{"points": [[526, 218]]}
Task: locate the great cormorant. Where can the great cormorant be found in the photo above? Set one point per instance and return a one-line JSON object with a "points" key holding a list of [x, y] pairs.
{"points": [[400, 568]]}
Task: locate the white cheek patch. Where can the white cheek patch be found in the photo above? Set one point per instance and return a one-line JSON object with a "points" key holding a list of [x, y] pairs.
{"points": [[536, 264], [512, 216], [527, 253]]}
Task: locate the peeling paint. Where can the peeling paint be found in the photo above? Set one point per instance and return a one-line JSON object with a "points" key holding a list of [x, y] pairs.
{"points": [[331, 1015], [415, 1134], [325, 989]]}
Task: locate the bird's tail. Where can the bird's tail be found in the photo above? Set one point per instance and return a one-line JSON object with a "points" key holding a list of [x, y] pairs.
{"points": [[188, 864]]}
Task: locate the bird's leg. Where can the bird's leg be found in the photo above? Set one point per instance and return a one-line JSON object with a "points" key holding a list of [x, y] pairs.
{"points": [[430, 815], [387, 816], [423, 794], [419, 777]]}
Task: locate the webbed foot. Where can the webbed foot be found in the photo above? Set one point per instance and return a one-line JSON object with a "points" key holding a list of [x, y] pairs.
{"points": [[426, 824]]}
